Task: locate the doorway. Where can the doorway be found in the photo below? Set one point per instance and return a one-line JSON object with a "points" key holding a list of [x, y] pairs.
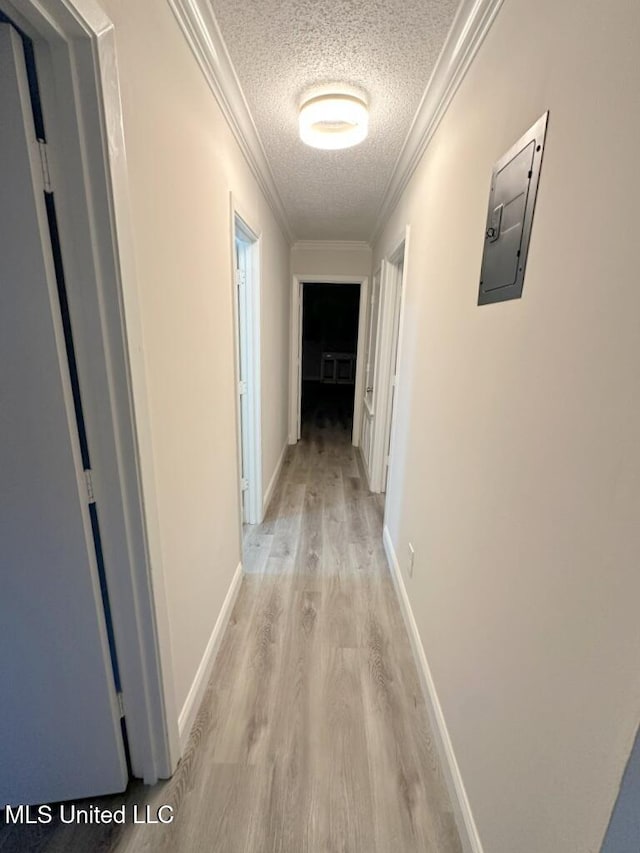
{"points": [[368, 417], [329, 348], [246, 248], [383, 348], [49, 513], [395, 272], [71, 460], [328, 319]]}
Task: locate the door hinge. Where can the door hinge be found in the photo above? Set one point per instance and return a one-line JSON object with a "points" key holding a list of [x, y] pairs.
{"points": [[242, 387], [88, 478], [244, 484], [44, 164], [240, 277], [120, 703]]}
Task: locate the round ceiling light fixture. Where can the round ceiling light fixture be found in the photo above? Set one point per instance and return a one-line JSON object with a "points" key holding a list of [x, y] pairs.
{"points": [[333, 121]]}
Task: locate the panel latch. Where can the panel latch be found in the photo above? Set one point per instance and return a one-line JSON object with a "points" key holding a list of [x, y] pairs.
{"points": [[493, 231]]}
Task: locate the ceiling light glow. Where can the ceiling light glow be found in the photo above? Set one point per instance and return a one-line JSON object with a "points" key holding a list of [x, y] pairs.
{"points": [[332, 122]]}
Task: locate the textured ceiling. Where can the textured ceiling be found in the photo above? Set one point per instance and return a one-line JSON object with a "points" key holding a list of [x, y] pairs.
{"points": [[281, 48]]}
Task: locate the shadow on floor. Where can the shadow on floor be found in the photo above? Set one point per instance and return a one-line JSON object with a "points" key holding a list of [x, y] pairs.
{"points": [[326, 405]]}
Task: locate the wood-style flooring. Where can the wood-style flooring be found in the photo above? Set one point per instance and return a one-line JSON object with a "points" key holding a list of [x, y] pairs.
{"points": [[313, 736]]}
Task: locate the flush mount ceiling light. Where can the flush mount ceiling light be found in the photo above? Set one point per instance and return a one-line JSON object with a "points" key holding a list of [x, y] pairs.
{"points": [[333, 121]]}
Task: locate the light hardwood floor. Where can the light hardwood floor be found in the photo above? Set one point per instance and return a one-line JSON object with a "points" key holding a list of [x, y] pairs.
{"points": [[313, 735]]}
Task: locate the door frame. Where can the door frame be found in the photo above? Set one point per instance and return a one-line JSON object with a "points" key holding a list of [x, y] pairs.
{"points": [[388, 333], [369, 406], [295, 363], [74, 42], [251, 237], [376, 277]]}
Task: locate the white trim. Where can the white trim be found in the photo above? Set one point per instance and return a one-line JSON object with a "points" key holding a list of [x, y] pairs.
{"points": [[198, 687], [390, 334], [76, 42], [464, 816], [471, 24], [295, 362], [402, 249], [198, 23], [361, 365], [368, 409], [331, 245], [252, 260], [274, 479], [383, 376]]}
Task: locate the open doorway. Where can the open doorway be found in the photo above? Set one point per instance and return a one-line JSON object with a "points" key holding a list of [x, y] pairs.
{"points": [[330, 314], [383, 347], [327, 370], [51, 534], [395, 272], [246, 247], [71, 454], [367, 444]]}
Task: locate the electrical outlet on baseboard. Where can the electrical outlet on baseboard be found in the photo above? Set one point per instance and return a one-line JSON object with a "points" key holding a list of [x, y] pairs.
{"points": [[412, 556]]}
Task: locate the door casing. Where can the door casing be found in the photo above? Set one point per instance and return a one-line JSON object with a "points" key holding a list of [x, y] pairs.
{"points": [[49, 522], [249, 426], [390, 328], [369, 404], [295, 377], [74, 43]]}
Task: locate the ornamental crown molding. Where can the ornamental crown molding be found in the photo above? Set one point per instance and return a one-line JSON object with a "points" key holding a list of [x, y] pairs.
{"points": [[471, 24], [331, 245], [201, 30]]}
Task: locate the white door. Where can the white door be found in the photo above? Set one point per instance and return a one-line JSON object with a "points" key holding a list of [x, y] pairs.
{"points": [[393, 378], [366, 439], [61, 735], [243, 385]]}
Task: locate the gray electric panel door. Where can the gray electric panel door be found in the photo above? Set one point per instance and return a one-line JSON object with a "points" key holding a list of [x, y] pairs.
{"points": [[514, 185]]}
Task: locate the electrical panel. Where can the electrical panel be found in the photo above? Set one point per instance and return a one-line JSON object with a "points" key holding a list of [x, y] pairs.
{"points": [[514, 185]]}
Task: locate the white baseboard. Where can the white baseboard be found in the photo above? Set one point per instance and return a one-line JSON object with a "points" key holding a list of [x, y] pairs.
{"points": [[464, 817], [274, 479], [196, 693]]}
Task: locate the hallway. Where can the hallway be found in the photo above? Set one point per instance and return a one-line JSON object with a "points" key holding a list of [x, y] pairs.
{"points": [[236, 239], [313, 735]]}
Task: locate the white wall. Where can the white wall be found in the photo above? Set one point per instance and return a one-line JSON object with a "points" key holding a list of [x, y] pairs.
{"points": [[319, 257], [516, 468], [183, 165], [274, 352]]}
